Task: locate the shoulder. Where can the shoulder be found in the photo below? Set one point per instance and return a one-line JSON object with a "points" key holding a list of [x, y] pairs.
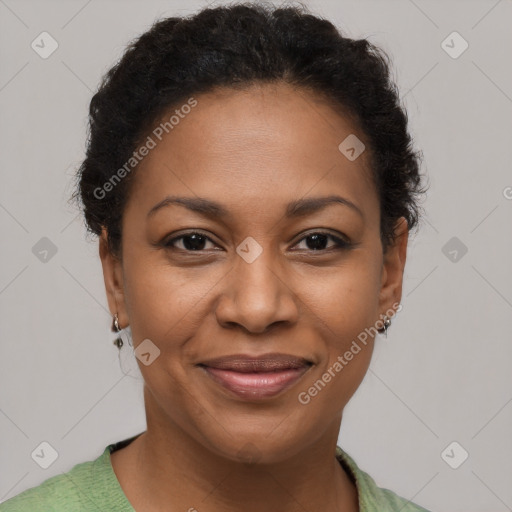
{"points": [[371, 497], [86, 487], [60, 492]]}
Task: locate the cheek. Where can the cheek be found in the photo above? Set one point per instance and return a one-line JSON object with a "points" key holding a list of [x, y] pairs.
{"points": [[345, 299], [343, 307], [162, 301], [167, 303]]}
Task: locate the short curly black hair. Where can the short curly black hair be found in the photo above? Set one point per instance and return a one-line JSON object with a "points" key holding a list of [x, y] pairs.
{"points": [[237, 46]]}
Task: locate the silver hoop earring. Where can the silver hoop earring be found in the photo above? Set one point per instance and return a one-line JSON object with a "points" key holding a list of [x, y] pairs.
{"points": [[116, 328], [127, 360], [387, 322]]}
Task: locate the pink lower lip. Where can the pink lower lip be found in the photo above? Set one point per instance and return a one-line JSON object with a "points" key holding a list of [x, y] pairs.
{"points": [[256, 385]]}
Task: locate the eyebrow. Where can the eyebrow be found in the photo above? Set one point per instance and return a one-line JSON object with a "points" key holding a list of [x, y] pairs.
{"points": [[298, 208]]}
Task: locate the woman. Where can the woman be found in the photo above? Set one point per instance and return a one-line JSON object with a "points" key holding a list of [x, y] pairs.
{"points": [[252, 182]]}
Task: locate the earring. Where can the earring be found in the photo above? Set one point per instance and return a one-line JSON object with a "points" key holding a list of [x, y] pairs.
{"points": [[115, 327], [387, 322]]}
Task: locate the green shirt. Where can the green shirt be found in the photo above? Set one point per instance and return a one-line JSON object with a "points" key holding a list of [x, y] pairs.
{"points": [[93, 487]]}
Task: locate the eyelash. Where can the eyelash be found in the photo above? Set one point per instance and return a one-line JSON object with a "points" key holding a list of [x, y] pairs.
{"points": [[340, 244]]}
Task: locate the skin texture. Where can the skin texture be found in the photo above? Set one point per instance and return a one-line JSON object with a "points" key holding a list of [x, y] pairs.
{"points": [[253, 151]]}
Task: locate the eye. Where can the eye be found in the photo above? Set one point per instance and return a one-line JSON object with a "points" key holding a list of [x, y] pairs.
{"points": [[316, 241], [193, 241]]}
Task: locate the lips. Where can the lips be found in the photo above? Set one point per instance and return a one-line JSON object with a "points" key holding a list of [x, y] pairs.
{"points": [[259, 377], [255, 364]]}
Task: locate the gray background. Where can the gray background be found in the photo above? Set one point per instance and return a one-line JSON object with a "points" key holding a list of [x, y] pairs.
{"points": [[442, 375]]}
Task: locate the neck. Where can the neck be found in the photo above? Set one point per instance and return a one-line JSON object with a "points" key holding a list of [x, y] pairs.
{"points": [[172, 467]]}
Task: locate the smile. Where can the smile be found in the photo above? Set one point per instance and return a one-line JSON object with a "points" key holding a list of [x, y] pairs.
{"points": [[256, 379]]}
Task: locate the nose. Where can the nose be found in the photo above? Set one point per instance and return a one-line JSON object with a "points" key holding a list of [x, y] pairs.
{"points": [[257, 296]]}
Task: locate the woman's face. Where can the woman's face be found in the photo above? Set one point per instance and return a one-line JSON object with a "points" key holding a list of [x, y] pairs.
{"points": [[256, 280]]}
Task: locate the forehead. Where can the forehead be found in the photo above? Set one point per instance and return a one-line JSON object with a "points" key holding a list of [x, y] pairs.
{"points": [[270, 142]]}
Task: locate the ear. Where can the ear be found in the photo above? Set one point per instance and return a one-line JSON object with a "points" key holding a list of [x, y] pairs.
{"points": [[113, 278], [393, 268]]}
